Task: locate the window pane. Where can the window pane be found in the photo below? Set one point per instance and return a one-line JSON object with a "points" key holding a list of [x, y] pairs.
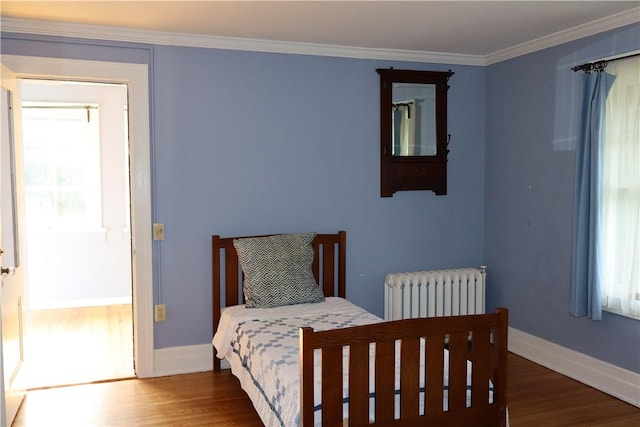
{"points": [[39, 172], [69, 174], [70, 205], [62, 164], [39, 205]]}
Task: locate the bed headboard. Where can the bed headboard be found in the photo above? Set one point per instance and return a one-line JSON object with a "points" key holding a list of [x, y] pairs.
{"points": [[329, 269]]}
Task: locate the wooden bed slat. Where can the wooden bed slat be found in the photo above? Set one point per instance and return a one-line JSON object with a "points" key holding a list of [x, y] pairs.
{"points": [[458, 350], [215, 291], [231, 270], [332, 386], [480, 356], [410, 378], [434, 354], [328, 279], [499, 364], [359, 384], [315, 265], [385, 381], [306, 372], [325, 247]]}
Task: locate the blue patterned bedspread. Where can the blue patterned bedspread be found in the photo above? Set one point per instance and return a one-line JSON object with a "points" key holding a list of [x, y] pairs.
{"points": [[265, 345]]}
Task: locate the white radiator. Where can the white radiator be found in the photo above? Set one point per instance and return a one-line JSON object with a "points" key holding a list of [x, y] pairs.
{"points": [[434, 293]]}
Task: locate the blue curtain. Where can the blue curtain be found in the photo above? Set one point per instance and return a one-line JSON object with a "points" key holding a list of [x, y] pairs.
{"points": [[586, 291], [398, 116]]}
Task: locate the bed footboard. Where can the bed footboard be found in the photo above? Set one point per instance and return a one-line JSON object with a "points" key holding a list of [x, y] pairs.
{"points": [[478, 339]]}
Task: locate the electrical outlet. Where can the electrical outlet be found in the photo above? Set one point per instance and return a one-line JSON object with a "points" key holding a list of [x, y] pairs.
{"points": [[158, 231], [160, 312]]}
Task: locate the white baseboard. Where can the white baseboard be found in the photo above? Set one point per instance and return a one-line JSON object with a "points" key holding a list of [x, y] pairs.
{"points": [[620, 383], [608, 378], [182, 360]]}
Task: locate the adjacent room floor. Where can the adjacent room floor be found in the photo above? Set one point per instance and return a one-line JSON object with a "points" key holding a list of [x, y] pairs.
{"points": [[78, 345]]}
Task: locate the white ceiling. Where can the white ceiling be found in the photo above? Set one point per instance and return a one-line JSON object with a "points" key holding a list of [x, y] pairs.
{"points": [[462, 29]]}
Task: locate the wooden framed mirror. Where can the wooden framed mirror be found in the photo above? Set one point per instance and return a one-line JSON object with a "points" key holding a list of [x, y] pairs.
{"points": [[413, 130]]}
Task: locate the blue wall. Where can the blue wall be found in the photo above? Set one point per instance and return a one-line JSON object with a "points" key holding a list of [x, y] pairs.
{"points": [[254, 143], [529, 181]]}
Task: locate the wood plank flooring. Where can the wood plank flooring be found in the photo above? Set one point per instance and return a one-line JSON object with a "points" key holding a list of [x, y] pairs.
{"points": [[202, 399], [78, 345], [537, 397]]}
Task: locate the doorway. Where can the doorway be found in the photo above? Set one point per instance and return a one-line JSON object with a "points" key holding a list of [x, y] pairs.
{"points": [[136, 77], [78, 234]]}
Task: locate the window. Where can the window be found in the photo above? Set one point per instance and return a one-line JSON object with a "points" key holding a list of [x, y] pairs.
{"points": [[62, 165], [621, 191]]}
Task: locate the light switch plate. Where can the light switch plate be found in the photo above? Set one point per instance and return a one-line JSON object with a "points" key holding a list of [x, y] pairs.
{"points": [[160, 312], [158, 231]]}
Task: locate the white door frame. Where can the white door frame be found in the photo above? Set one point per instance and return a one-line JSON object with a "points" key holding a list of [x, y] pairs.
{"points": [[136, 77]]}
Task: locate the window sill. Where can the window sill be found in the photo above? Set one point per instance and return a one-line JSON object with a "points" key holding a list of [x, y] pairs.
{"points": [[620, 313]]}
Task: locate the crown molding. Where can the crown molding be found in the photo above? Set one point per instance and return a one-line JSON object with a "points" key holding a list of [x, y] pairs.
{"points": [[627, 17], [94, 32]]}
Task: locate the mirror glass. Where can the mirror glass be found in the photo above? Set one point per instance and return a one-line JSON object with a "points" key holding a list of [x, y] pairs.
{"points": [[413, 118]]}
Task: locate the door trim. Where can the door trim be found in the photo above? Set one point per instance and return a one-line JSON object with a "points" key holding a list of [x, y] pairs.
{"points": [[136, 76]]}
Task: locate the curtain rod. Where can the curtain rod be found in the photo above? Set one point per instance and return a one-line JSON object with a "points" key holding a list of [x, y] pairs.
{"points": [[397, 105], [62, 107], [600, 65], [65, 107]]}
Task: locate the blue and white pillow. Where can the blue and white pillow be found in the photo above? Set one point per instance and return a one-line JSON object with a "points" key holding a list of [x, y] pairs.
{"points": [[277, 270]]}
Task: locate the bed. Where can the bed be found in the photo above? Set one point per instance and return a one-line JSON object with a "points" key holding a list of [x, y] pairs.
{"points": [[331, 363]]}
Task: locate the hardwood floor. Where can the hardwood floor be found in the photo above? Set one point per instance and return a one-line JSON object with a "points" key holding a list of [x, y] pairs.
{"points": [[537, 397], [78, 345], [202, 399]]}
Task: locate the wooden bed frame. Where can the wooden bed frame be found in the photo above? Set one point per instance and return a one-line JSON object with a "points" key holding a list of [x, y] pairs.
{"points": [[329, 269], [481, 339]]}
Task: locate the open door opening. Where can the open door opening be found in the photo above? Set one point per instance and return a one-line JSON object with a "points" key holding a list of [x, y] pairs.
{"points": [[78, 233], [135, 77]]}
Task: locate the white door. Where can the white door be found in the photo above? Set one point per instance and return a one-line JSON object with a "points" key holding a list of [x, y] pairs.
{"points": [[12, 289]]}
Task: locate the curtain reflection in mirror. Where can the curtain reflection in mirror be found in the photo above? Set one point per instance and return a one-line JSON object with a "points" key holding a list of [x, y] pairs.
{"points": [[413, 120], [404, 128]]}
